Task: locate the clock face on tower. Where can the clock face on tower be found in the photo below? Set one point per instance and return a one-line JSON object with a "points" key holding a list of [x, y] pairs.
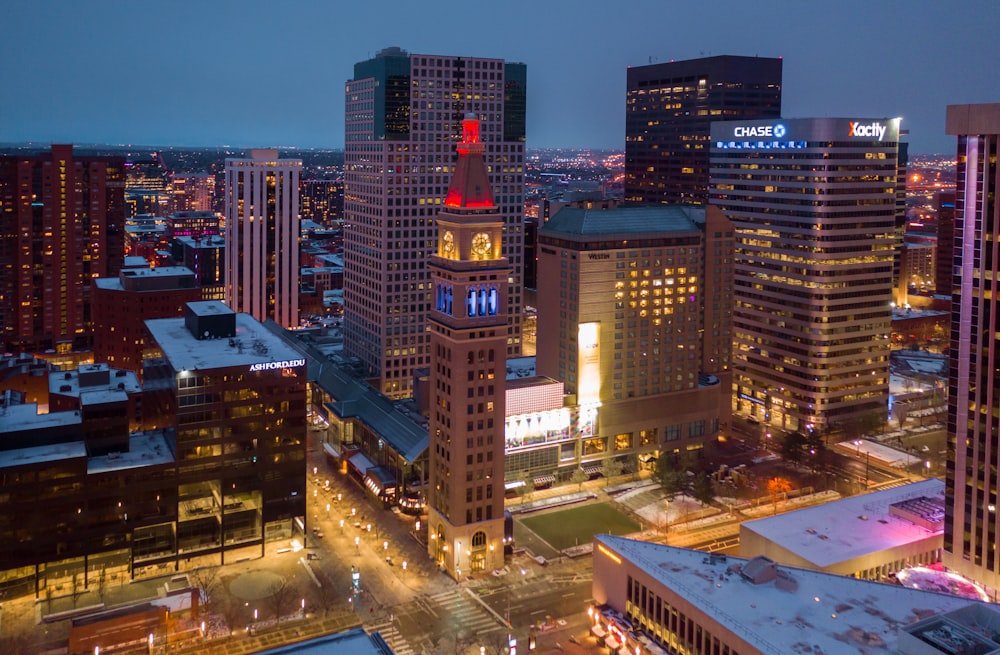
{"points": [[482, 247], [448, 243]]}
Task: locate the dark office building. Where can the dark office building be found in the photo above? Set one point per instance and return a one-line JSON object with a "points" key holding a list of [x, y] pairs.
{"points": [[944, 202], [63, 225], [668, 110]]}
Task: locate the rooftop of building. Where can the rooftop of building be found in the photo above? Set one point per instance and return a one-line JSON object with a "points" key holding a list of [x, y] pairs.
{"points": [[144, 449], [91, 378], [135, 273], [520, 367], [625, 221], [402, 428], [350, 642], [17, 418], [252, 343], [204, 241], [852, 527], [781, 610]]}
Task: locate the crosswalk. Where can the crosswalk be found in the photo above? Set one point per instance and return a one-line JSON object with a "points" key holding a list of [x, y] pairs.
{"points": [[463, 611], [390, 633]]}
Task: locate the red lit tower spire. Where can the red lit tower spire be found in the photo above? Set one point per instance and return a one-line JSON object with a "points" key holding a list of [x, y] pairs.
{"points": [[468, 346]]}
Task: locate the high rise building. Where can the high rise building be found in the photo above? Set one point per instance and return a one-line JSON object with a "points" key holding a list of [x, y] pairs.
{"points": [[323, 201], [973, 379], [635, 317], [403, 117], [63, 224], [262, 236], [813, 203], [668, 110], [468, 344], [192, 192]]}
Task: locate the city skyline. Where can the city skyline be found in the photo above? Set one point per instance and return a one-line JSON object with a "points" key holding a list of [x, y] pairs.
{"points": [[117, 73]]}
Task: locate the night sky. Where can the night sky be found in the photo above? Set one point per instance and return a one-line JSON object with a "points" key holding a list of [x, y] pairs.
{"points": [[272, 73]]}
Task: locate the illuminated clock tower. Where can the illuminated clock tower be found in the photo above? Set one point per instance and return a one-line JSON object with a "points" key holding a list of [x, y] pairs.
{"points": [[468, 346]]}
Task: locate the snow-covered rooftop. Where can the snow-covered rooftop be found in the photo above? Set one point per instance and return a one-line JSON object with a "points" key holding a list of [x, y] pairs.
{"points": [[16, 418], [520, 367], [799, 611], [252, 345], [144, 449], [41, 454], [852, 527], [95, 377]]}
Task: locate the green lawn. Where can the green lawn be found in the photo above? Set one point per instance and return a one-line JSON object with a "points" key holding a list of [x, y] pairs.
{"points": [[578, 525]]}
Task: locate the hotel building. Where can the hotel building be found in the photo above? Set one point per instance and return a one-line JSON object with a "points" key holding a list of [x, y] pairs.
{"points": [[668, 110], [813, 204], [974, 379], [63, 224], [262, 236], [634, 317], [468, 343], [403, 118]]}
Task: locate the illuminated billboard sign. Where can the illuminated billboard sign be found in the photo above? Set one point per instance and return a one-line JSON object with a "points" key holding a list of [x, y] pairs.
{"points": [[270, 366], [797, 133], [588, 339], [869, 130]]}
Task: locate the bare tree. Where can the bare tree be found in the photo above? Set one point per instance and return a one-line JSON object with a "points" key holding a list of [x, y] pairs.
{"points": [[578, 478], [324, 596], [611, 468], [210, 586], [279, 592], [102, 582], [231, 611], [76, 587]]}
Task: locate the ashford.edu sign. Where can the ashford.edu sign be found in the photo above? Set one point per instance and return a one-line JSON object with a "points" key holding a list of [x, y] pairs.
{"points": [[285, 363]]}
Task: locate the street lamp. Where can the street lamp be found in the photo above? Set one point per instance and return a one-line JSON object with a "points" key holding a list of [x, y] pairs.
{"points": [[357, 541]]}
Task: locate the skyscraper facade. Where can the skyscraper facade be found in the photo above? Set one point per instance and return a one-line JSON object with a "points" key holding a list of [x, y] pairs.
{"points": [[813, 204], [262, 236], [635, 317], [668, 110], [971, 484], [63, 223], [403, 118], [468, 345]]}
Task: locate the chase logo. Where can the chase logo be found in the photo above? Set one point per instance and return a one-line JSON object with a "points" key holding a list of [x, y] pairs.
{"points": [[779, 131]]}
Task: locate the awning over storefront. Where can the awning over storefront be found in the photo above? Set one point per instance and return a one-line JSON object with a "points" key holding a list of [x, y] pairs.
{"points": [[592, 469], [331, 450], [361, 463], [544, 480], [380, 482]]}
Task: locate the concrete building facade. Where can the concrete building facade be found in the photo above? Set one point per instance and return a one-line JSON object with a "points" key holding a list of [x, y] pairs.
{"points": [[262, 236], [634, 317]]}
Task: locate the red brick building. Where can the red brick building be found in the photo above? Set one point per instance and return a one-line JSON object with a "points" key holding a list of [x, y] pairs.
{"points": [[63, 224]]}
